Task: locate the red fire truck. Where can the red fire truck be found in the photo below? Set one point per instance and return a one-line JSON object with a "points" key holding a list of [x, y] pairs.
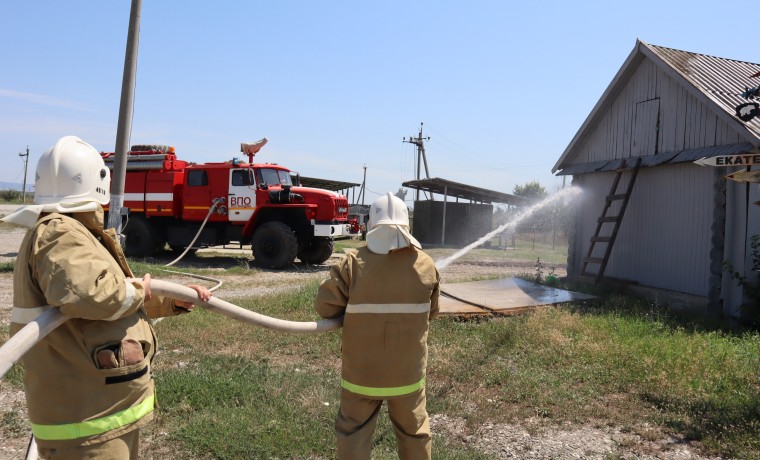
{"points": [[169, 202]]}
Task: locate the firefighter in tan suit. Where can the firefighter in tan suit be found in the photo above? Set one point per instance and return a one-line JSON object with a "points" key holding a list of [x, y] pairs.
{"points": [[88, 383], [388, 291]]}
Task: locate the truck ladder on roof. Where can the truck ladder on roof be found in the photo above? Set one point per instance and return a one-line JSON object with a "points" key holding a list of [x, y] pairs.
{"points": [[604, 218]]}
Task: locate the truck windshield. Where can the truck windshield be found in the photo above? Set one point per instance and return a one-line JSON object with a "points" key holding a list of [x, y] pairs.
{"points": [[271, 176]]}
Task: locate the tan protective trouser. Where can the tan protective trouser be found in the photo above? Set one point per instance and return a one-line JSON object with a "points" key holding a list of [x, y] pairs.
{"points": [[122, 448], [357, 418]]}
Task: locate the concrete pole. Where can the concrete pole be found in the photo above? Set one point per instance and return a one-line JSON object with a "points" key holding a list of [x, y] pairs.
{"points": [[124, 128], [26, 164], [419, 160], [443, 225], [364, 183]]}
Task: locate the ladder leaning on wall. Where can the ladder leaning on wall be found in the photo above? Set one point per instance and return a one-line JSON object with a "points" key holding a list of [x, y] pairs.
{"points": [[609, 240]]}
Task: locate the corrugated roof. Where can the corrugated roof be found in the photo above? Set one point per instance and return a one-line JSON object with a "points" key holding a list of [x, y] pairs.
{"points": [[683, 156], [720, 79], [717, 81], [327, 184], [467, 192]]}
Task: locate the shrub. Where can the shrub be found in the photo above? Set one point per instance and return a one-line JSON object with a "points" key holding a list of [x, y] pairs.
{"points": [[10, 195], [751, 310]]}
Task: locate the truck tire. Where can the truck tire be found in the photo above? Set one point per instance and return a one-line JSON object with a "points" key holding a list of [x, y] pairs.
{"points": [[179, 249], [140, 238], [274, 245], [316, 252]]}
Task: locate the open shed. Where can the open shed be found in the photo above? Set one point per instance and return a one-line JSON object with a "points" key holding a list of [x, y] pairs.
{"points": [[450, 222], [675, 225], [328, 184]]}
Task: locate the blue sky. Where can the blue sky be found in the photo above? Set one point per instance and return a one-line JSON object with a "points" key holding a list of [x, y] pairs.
{"points": [[501, 87]]}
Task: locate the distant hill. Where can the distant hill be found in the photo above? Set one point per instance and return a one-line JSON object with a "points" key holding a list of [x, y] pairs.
{"points": [[14, 186]]}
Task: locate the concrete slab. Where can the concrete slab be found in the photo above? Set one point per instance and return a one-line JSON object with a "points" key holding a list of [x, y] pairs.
{"points": [[501, 296]]}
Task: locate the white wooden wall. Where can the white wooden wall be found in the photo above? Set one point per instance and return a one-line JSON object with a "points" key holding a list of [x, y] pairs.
{"points": [[664, 239]]}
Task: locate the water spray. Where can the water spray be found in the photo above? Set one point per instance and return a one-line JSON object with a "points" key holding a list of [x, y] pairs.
{"points": [[524, 214]]}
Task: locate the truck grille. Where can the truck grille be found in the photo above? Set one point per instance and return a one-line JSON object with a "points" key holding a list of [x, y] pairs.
{"points": [[341, 208]]}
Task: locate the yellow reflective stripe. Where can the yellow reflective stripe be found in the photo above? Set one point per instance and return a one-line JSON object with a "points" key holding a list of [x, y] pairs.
{"points": [[97, 426], [383, 392]]}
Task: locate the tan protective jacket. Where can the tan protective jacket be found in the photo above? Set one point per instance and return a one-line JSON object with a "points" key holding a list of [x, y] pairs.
{"points": [[70, 262], [388, 301]]}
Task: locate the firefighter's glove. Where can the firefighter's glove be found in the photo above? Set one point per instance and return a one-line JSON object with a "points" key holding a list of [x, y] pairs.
{"points": [[123, 354]]}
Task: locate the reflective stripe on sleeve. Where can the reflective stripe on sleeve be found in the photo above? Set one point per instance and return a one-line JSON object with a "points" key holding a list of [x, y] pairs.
{"points": [[383, 392], [97, 426], [27, 315], [129, 299], [388, 308]]}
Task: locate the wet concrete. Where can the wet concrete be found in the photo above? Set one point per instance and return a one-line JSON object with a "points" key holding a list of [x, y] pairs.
{"points": [[501, 296]]}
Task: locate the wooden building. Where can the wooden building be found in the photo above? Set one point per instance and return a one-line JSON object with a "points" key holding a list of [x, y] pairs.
{"points": [[664, 110]]}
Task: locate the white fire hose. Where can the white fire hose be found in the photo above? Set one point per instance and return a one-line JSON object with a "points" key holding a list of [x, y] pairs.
{"points": [[33, 332]]}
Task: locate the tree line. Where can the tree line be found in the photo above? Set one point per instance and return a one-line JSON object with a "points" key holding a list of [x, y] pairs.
{"points": [[556, 217]]}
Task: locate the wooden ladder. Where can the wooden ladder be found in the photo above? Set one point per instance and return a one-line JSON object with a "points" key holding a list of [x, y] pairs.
{"points": [[604, 218]]}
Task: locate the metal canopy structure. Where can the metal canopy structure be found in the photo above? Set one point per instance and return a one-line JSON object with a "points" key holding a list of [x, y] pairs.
{"points": [[327, 184], [468, 192]]}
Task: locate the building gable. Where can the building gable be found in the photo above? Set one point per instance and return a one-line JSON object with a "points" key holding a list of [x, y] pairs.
{"points": [[664, 101]]}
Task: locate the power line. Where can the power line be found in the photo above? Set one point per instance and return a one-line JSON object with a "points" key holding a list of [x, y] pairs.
{"points": [[470, 156]]}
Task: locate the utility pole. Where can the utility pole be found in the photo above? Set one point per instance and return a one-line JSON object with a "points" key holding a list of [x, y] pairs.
{"points": [[125, 119], [25, 156], [364, 184], [419, 142]]}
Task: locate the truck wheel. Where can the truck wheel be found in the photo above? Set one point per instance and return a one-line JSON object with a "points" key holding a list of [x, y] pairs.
{"points": [[274, 245], [179, 249], [140, 239], [316, 252]]}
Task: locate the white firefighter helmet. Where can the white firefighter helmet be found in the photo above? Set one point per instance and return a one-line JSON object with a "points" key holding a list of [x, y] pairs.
{"points": [[388, 209], [388, 225], [71, 172]]}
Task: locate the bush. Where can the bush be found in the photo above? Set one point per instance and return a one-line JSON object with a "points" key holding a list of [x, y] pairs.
{"points": [[751, 285], [10, 195]]}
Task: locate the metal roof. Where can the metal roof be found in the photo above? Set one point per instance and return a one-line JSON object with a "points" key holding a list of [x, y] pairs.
{"points": [[683, 156], [327, 184], [713, 80], [467, 192], [721, 80]]}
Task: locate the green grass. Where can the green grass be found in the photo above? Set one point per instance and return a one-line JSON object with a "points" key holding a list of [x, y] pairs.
{"points": [[229, 390], [524, 249]]}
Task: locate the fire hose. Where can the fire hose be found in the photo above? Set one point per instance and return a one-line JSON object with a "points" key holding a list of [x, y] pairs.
{"points": [[33, 332]]}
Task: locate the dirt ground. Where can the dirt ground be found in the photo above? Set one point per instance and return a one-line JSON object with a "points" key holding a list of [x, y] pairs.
{"points": [[503, 441]]}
